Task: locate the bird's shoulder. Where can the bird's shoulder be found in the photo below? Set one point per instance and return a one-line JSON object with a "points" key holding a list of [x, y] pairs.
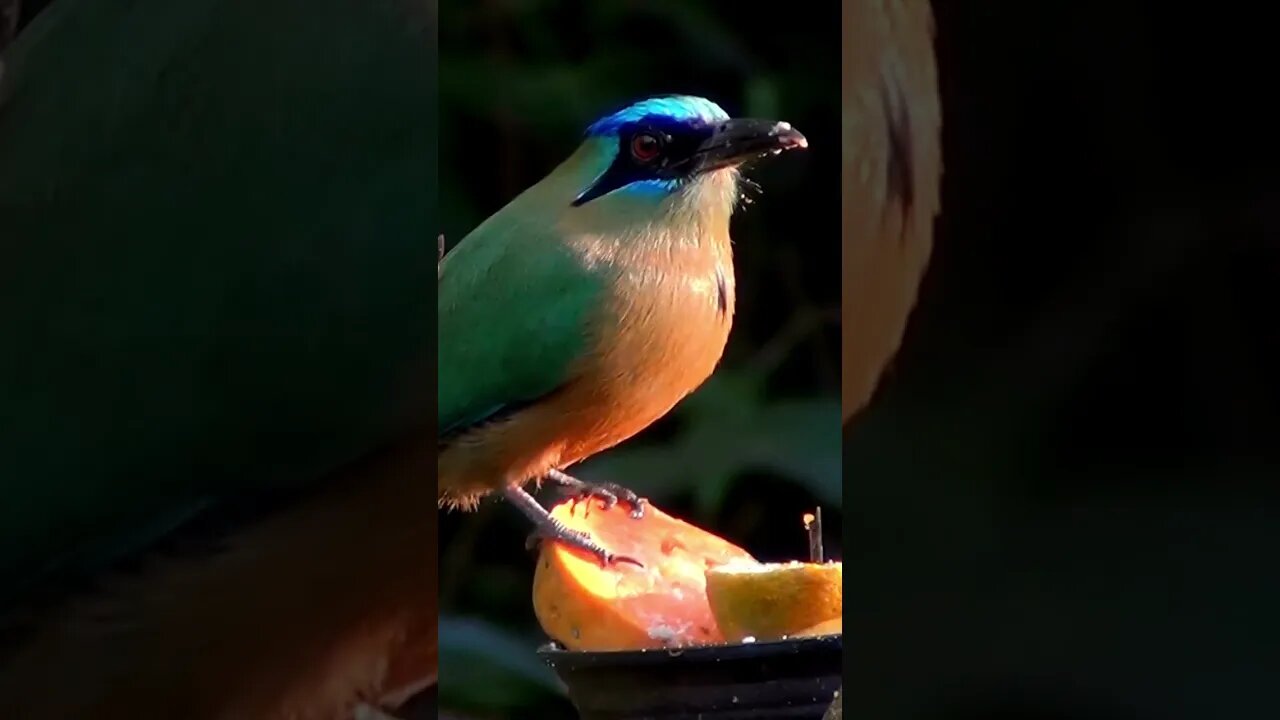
{"points": [[514, 273], [514, 317]]}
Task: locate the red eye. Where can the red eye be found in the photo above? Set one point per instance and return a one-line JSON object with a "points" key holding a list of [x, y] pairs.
{"points": [[645, 147]]}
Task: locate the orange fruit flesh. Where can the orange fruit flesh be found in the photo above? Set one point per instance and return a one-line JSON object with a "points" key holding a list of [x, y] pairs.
{"points": [[772, 601], [585, 606]]}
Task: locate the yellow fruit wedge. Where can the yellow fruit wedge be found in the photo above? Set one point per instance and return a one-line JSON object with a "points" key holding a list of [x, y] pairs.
{"points": [[772, 601]]}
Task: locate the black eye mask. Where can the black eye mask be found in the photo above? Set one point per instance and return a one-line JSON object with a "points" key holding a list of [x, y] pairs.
{"points": [[674, 158]]}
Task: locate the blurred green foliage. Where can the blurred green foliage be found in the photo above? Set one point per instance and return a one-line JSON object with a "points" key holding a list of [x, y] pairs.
{"points": [[759, 443]]}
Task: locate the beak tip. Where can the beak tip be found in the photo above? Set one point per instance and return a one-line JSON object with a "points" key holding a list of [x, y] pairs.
{"points": [[788, 137]]}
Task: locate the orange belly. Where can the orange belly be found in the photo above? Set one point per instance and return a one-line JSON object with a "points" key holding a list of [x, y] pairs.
{"points": [[658, 336]]}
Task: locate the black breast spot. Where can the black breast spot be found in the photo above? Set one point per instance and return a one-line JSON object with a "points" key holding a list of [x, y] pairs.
{"points": [[722, 292], [901, 164]]}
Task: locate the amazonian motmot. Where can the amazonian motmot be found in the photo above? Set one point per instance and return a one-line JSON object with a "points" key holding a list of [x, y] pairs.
{"points": [[591, 304]]}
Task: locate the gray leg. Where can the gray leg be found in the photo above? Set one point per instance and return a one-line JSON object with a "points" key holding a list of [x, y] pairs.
{"points": [[549, 528]]}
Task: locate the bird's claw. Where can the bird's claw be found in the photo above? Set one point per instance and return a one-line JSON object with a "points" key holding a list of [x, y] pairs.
{"points": [[547, 527], [578, 539], [561, 534], [607, 493]]}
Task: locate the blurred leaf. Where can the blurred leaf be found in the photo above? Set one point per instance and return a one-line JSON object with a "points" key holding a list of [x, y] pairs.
{"points": [[728, 428], [554, 100], [800, 439], [762, 97], [487, 668], [695, 26]]}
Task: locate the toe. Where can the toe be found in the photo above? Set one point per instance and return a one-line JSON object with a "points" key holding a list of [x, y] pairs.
{"points": [[611, 559]]}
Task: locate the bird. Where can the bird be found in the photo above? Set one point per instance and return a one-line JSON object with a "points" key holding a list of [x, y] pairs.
{"points": [[216, 224], [890, 183], [591, 304]]}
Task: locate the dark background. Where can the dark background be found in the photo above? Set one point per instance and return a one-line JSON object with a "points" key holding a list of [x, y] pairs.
{"points": [[758, 445], [1065, 493]]}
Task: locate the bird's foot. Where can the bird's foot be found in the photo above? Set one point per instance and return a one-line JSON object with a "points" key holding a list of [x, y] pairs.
{"points": [[607, 493], [547, 527], [578, 539]]}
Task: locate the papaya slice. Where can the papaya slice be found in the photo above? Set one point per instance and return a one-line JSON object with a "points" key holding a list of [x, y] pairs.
{"points": [[585, 606], [772, 601]]}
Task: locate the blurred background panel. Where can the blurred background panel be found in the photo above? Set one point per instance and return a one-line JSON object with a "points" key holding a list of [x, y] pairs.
{"points": [[1066, 488], [759, 444], [217, 223]]}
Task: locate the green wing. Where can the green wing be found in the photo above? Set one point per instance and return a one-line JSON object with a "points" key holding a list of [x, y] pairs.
{"points": [[215, 258], [513, 318]]}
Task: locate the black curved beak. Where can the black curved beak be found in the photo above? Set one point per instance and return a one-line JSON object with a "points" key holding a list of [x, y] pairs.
{"points": [[737, 141]]}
